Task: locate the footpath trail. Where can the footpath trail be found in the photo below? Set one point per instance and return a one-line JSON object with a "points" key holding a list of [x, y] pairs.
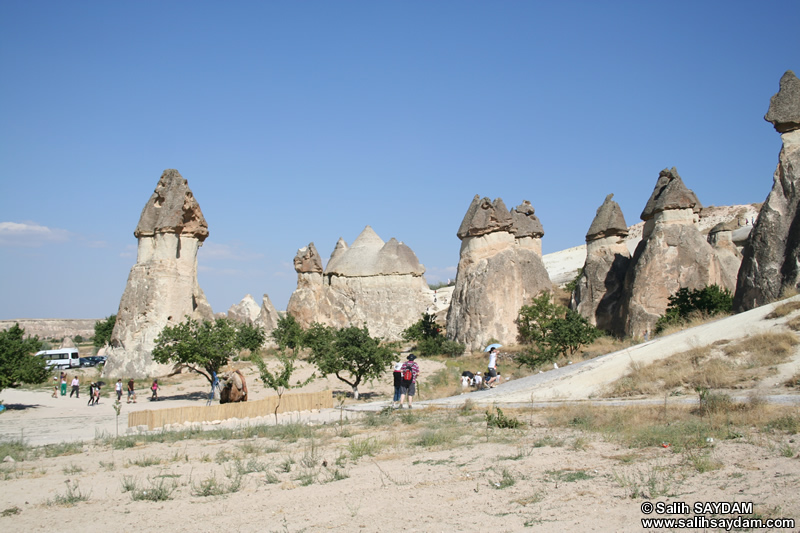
{"points": [[40, 419]]}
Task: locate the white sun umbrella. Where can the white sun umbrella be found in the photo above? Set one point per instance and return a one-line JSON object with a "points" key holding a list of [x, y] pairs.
{"points": [[495, 345]]}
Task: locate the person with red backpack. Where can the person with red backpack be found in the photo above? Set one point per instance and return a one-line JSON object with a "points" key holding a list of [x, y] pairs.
{"points": [[409, 373]]}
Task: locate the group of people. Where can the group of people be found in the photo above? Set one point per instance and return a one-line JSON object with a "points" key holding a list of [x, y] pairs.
{"points": [[489, 381], [405, 381], [60, 383], [406, 375]]}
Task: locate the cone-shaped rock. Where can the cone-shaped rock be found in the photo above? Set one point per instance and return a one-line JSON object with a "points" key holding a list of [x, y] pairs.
{"points": [[483, 217], [670, 193], [597, 291], [673, 254], [162, 286]]}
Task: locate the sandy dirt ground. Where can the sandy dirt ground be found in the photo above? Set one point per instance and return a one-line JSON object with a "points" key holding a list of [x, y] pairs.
{"points": [[369, 469]]}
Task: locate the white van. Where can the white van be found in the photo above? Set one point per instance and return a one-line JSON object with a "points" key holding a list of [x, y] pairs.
{"points": [[62, 358]]}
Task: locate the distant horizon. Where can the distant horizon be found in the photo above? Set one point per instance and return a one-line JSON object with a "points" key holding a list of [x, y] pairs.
{"points": [[258, 298], [305, 122]]}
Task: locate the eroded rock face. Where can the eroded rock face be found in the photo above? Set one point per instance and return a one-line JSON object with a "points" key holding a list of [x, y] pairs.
{"points": [[246, 311], [162, 286], [371, 282], [672, 255], [784, 107], [771, 257], [500, 269], [720, 237], [597, 292]]}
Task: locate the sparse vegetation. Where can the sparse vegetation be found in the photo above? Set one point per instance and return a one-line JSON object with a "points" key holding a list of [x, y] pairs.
{"points": [[725, 365], [708, 301], [784, 309], [429, 339], [550, 330]]}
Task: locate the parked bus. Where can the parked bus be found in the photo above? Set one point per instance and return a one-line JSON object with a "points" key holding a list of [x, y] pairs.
{"points": [[62, 358]]}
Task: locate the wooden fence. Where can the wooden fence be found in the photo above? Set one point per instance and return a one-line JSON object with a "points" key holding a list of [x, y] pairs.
{"points": [[290, 402]]}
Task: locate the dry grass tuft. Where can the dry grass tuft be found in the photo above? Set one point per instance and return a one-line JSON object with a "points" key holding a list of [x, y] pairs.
{"points": [[794, 323], [695, 319], [718, 366], [784, 309], [605, 344]]}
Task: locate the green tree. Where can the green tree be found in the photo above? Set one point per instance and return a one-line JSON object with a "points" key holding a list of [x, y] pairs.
{"points": [[17, 361], [280, 381], [429, 339], [102, 331], [202, 347], [348, 353], [550, 330], [571, 332], [250, 337], [288, 333]]}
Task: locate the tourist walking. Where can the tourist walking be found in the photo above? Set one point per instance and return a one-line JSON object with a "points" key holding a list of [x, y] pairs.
{"points": [[91, 394], [76, 384], [409, 372], [118, 389], [63, 384], [398, 382], [131, 391], [154, 387]]}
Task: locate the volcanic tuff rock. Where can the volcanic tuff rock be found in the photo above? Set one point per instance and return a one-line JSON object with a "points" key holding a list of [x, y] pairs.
{"points": [[162, 286], [673, 254], [720, 237], [246, 311], [500, 269], [597, 291], [771, 257], [784, 107], [373, 282]]}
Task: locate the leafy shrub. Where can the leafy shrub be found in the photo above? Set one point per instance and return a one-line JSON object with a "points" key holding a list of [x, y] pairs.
{"points": [[710, 300], [500, 420]]}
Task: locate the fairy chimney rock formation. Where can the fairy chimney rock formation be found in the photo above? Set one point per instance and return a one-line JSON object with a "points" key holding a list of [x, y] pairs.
{"points": [[673, 254], [771, 257], [784, 106], [162, 286], [246, 311], [370, 282], [527, 227], [500, 269], [597, 292]]}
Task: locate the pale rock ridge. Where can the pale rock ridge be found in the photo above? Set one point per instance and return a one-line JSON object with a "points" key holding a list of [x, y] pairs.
{"points": [[597, 291], [245, 312], [500, 269], [673, 254], [268, 319], [370, 282], [162, 286], [720, 237], [771, 257]]}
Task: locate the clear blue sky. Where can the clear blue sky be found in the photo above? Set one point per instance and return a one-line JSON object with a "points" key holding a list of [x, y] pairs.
{"points": [[306, 121]]}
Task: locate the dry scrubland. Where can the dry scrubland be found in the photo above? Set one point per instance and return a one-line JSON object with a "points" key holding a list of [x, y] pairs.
{"points": [[449, 467], [467, 468]]}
